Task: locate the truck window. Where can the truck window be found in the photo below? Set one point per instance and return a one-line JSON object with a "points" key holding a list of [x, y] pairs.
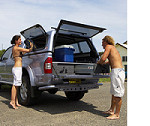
{"points": [[76, 47], [7, 54], [39, 42], [81, 47], [84, 47]]}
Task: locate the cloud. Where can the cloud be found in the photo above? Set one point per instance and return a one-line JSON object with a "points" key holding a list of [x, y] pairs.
{"points": [[17, 15]]}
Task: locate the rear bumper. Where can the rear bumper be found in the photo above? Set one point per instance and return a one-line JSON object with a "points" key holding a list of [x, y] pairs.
{"points": [[82, 76], [62, 83], [71, 87]]}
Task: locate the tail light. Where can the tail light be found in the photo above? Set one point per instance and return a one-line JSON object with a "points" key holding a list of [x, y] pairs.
{"points": [[48, 65]]}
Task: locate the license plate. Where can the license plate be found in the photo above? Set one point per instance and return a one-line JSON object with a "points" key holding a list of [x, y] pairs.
{"points": [[74, 81]]}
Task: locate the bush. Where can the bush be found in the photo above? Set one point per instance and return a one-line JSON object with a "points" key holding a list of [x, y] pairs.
{"points": [[104, 80], [1, 52]]}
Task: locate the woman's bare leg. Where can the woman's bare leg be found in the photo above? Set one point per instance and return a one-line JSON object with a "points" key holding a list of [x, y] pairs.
{"points": [[13, 97], [16, 99]]}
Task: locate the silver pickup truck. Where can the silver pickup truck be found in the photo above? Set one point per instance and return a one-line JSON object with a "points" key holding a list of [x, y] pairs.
{"points": [[63, 59]]}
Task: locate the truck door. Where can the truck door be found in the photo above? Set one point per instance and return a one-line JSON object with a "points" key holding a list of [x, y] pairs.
{"points": [[5, 69]]}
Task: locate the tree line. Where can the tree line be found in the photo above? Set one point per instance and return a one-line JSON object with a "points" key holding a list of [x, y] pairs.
{"points": [[1, 52]]}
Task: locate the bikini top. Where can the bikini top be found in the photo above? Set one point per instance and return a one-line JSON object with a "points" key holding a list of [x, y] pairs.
{"points": [[20, 55], [17, 55]]}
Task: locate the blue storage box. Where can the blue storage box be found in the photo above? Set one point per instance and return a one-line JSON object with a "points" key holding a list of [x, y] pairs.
{"points": [[64, 53]]}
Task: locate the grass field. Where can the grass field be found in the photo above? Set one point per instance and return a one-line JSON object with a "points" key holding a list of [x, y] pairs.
{"points": [[104, 80]]}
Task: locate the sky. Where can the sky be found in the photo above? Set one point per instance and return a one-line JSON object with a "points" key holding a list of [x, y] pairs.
{"points": [[17, 15]]}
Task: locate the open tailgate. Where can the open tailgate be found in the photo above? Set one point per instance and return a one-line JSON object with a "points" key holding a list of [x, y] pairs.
{"points": [[78, 29]]}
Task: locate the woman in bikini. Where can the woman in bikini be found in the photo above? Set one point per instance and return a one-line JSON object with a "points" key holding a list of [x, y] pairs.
{"points": [[17, 69]]}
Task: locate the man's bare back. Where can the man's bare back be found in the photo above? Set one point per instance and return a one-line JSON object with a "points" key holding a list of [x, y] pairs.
{"points": [[113, 56]]}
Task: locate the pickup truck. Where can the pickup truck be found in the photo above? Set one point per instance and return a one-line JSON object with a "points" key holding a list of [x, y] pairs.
{"points": [[42, 71]]}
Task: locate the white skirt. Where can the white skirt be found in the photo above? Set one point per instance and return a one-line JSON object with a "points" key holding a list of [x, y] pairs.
{"points": [[17, 74]]}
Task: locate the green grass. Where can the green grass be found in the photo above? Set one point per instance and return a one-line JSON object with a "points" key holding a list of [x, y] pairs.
{"points": [[104, 80], [107, 80]]}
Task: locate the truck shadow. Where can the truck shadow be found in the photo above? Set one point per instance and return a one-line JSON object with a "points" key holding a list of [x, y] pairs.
{"points": [[56, 104]]}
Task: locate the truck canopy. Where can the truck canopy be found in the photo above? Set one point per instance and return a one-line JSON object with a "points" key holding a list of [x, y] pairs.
{"points": [[64, 27], [67, 33]]}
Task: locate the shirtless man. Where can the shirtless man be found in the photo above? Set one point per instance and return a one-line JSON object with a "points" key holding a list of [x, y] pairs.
{"points": [[117, 75], [17, 69]]}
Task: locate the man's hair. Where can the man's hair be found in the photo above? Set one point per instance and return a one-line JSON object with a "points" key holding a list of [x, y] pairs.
{"points": [[15, 38], [109, 40]]}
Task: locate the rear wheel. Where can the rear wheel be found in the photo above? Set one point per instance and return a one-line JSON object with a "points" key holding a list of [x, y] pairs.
{"points": [[74, 95]]}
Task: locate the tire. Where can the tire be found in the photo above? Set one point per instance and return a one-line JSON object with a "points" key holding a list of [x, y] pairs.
{"points": [[52, 91], [74, 95], [24, 92]]}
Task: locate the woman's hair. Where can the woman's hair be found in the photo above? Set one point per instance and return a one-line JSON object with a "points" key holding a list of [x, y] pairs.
{"points": [[15, 38], [109, 40]]}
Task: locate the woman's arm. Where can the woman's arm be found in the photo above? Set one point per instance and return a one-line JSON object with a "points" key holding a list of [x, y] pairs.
{"points": [[25, 50]]}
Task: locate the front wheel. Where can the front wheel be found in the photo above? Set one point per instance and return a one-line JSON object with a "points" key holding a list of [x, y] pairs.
{"points": [[74, 95], [24, 92]]}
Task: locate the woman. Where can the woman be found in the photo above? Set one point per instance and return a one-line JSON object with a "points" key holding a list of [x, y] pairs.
{"points": [[17, 69]]}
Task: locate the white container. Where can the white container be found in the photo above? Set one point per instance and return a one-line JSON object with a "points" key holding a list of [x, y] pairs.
{"points": [[64, 46]]}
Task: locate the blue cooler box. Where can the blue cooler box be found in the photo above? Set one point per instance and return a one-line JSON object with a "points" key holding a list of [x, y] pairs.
{"points": [[64, 53]]}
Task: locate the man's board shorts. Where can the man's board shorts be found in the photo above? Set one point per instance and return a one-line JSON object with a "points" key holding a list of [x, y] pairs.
{"points": [[117, 76], [17, 74]]}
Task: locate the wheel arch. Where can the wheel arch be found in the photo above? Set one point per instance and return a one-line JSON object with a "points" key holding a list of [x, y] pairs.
{"points": [[28, 72]]}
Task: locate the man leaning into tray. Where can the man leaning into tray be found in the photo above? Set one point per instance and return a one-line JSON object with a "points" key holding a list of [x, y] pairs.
{"points": [[117, 76]]}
